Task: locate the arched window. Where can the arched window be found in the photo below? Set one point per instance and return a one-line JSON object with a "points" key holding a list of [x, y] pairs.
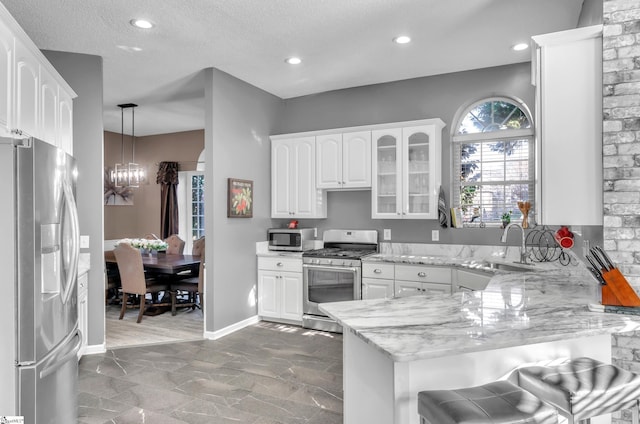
{"points": [[493, 160]]}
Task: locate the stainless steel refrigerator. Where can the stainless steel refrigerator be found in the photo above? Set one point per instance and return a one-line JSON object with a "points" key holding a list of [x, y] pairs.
{"points": [[39, 250]]}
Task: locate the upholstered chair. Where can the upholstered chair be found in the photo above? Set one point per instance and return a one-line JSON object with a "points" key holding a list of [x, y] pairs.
{"points": [[133, 279], [176, 245]]}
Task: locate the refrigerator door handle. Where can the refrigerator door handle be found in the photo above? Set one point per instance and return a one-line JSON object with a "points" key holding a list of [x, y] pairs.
{"points": [[60, 356], [75, 240]]}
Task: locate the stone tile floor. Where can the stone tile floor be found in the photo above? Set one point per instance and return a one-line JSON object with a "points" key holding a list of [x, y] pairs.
{"points": [[264, 374]]}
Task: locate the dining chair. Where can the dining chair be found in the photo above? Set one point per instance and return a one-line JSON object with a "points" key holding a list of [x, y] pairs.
{"points": [[193, 286], [198, 247], [176, 245], [133, 279], [112, 282]]}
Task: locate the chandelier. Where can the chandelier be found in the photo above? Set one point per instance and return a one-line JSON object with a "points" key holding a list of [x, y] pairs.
{"points": [[128, 174]]}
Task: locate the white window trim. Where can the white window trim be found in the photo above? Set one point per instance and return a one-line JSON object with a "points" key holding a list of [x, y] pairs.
{"points": [[458, 139], [184, 207]]}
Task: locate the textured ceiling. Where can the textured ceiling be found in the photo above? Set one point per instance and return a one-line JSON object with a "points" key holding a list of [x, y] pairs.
{"points": [[343, 43]]}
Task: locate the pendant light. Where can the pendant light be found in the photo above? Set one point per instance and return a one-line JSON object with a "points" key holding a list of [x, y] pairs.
{"points": [[129, 174]]}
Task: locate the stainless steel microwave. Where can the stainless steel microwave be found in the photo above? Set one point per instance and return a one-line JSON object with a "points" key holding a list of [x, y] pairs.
{"points": [[290, 239]]}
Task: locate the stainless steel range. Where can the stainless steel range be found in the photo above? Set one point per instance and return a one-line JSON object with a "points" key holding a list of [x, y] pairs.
{"points": [[334, 273]]}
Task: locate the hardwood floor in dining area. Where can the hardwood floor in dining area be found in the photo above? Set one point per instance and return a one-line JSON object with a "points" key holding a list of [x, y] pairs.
{"points": [[186, 325], [266, 373]]}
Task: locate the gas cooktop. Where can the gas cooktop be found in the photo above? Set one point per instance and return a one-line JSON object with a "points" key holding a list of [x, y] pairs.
{"points": [[338, 252]]}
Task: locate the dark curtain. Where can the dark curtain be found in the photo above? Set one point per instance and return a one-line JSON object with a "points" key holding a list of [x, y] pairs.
{"points": [[168, 179]]}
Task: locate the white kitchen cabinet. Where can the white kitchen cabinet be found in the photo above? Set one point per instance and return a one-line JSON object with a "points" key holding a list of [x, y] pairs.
{"points": [[343, 160], [377, 280], [27, 87], [34, 99], [293, 179], [280, 289], [83, 311], [567, 73], [413, 288], [411, 280], [65, 121], [406, 164], [48, 108], [6, 71]]}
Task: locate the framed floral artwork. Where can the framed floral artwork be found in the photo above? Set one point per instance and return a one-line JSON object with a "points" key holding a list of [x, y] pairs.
{"points": [[116, 196], [239, 198]]}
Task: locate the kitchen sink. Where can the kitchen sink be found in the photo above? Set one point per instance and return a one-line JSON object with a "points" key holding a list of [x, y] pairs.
{"points": [[513, 267]]}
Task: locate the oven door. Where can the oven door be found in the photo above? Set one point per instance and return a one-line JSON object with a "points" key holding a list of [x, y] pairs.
{"points": [[322, 284]]}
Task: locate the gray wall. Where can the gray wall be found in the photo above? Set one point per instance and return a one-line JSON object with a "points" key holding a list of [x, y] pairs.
{"points": [[440, 96], [84, 74], [238, 121], [591, 13]]}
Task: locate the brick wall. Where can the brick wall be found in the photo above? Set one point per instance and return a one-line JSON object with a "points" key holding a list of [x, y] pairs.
{"points": [[621, 127]]}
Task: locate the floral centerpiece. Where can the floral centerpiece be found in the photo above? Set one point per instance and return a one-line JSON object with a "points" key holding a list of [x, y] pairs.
{"points": [[146, 244]]}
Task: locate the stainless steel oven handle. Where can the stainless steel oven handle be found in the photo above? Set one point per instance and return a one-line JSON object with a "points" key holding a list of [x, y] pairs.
{"points": [[334, 268]]}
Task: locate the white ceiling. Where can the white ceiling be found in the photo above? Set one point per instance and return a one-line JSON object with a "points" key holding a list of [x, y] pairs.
{"points": [[343, 43]]}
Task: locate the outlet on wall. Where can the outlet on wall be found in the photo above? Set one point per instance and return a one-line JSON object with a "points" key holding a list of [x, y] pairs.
{"points": [[435, 235], [387, 234]]}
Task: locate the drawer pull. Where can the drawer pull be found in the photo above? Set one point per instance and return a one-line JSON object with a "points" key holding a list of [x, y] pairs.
{"points": [[279, 264], [422, 274], [377, 271]]}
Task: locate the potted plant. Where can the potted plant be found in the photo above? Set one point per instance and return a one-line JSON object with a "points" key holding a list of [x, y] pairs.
{"points": [[506, 219]]}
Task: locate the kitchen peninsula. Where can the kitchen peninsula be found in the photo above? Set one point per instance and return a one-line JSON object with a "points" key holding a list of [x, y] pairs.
{"points": [[393, 348]]}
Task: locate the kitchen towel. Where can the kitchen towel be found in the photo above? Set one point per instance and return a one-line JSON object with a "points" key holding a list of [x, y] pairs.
{"points": [[442, 209]]}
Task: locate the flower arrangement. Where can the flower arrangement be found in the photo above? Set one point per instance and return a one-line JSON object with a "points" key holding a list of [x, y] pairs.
{"points": [[506, 216], [506, 219], [145, 244]]}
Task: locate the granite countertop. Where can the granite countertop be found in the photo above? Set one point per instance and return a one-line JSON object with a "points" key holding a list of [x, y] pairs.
{"points": [[516, 308]]}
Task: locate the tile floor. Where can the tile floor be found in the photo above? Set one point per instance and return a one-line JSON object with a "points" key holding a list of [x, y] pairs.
{"points": [[263, 374]]}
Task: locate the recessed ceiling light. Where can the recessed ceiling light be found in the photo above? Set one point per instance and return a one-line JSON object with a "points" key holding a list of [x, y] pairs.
{"points": [[141, 23], [293, 60], [520, 46], [402, 39], [130, 48]]}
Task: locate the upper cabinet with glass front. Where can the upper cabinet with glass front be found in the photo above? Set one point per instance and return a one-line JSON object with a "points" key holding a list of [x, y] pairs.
{"points": [[406, 164]]}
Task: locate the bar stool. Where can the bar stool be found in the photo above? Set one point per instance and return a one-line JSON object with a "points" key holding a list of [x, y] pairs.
{"points": [[582, 388], [497, 402]]}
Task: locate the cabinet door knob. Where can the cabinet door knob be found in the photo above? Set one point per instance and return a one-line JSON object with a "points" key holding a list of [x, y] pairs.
{"points": [[422, 274], [377, 271]]}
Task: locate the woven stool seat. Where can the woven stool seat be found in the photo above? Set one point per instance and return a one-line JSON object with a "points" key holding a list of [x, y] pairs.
{"points": [[499, 402], [583, 387]]}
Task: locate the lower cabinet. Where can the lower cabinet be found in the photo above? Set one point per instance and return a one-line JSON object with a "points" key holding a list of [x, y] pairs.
{"points": [[420, 279], [377, 280], [83, 311], [386, 280], [412, 288], [280, 288]]}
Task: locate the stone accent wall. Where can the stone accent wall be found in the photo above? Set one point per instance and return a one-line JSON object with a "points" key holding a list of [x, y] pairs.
{"points": [[621, 127]]}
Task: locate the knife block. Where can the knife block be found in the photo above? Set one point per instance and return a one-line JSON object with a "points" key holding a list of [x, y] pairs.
{"points": [[617, 291]]}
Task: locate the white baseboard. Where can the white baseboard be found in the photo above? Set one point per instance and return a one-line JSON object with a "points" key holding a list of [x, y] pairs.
{"points": [[214, 335], [93, 349]]}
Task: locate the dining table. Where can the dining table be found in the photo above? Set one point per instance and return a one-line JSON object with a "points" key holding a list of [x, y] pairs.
{"points": [[162, 263]]}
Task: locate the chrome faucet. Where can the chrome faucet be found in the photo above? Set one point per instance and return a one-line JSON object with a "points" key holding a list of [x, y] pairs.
{"points": [[523, 251]]}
